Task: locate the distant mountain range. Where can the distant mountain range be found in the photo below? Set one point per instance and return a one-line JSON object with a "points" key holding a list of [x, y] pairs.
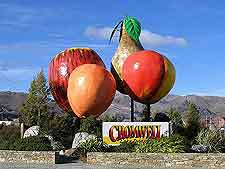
{"points": [[208, 105], [11, 102]]}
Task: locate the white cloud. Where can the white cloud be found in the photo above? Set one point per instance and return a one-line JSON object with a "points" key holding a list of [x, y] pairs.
{"points": [[154, 39], [98, 33], [147, 37]]}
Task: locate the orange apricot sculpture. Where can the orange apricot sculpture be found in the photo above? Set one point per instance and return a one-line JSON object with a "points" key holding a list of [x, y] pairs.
{"points": [[91, 89]]}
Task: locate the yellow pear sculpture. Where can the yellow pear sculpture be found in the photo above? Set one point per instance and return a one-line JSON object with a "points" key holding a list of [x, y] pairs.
{"points": [[128, 44]]}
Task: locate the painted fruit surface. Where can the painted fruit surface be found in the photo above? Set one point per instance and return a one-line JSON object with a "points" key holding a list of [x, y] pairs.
{"points": [[91, 90], [127, 46], [62, 66], [148, 76]]}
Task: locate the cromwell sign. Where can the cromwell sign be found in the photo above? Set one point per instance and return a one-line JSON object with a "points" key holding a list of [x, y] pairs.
{"points": [[116, 132]]}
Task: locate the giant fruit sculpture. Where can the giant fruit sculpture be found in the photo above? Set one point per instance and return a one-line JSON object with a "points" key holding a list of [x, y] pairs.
{"points": [[91, 90], [148, 76], [128, 44], [62, 66]]}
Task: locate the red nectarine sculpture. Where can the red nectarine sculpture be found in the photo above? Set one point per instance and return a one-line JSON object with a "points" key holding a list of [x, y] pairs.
{"points": [[148, 76]]}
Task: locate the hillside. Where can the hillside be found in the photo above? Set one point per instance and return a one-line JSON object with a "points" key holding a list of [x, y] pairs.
{"points": [[209, 105]]}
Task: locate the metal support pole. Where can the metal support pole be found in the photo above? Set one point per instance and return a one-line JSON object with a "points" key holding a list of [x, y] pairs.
{"points": [[170, 128], [149, 112], [132, 110], [21, 130]]}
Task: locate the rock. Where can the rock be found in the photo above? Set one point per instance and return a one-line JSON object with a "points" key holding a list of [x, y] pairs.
{"points": [[199, 149], [56, 145], [32, 131], [82, 137], [70, 152], [61, 152]]}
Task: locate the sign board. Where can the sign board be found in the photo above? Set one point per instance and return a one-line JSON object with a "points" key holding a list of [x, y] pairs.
{"points": [[116, 132]]}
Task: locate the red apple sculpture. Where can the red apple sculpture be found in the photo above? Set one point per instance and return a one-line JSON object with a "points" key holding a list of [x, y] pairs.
{"points": [[61, 67], [91, 90], [148, 76]]}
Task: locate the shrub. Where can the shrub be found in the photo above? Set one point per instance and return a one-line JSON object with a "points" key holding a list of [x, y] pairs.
{"points": [[96, 145], [7, 144], [125, 147], [93, 145], [33, 144], [9, 132], [26, 144], [214, 140], [175, 144]]}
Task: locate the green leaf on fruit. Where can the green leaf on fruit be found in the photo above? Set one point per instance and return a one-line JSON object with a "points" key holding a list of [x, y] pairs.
{"points": [[132, 27]]}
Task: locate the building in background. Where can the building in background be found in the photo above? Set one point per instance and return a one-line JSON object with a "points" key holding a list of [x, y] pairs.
{"points": [[214, 123]]}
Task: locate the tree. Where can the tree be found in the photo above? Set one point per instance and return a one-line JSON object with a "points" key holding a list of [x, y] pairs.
{"points": [[193, 124], [63, 128], [91, 125], [161, 117], [35, 109], [177, 121], [145, 115]]}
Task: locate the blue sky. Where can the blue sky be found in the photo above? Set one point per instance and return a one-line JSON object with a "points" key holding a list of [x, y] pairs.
{"points": [[190, 33]]}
